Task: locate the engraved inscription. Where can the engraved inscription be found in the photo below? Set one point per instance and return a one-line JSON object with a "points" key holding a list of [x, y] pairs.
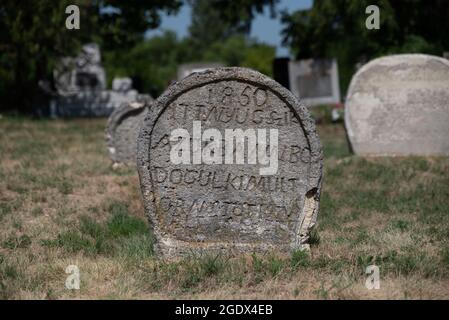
{"points": [[202, 191], [229, 105]]}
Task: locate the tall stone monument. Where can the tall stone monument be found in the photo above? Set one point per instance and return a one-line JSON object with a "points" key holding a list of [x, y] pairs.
{"points": [[399, 105], [229, 160], [80, 84]]}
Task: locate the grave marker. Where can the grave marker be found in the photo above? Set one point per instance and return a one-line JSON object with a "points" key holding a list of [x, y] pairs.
{"points": [[122, 130], [315, 81], [229, 160], [399, 105]]}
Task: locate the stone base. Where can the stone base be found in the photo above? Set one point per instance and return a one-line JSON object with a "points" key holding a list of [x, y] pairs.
{"points": [[170, 248]]}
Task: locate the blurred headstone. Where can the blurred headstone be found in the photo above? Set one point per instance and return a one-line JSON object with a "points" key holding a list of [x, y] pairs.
{"points": [[122, 84], [122, 130], [82, 73], [268, 201], [186, 69], [315, 81], [398, 105], [80, 84]]}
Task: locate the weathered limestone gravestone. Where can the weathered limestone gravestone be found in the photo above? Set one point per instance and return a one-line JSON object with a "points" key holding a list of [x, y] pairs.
{"points": [[399, 105], [229, 160], [315, 81], [122, 131]]}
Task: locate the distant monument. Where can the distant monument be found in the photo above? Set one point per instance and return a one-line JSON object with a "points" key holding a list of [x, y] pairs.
{"points": [[80, 85], [399, 105], [315, 81], [229, 160], [186, 69]]}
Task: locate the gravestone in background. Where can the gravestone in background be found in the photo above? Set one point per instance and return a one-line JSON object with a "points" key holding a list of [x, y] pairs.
{"points": [[186, 69], [80, 84], [122, 84], [315, 81], [216, 204], [399, 105], [122, 131]]}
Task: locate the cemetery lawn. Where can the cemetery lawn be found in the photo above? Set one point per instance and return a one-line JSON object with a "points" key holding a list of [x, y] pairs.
{"points": [[62, 204]]}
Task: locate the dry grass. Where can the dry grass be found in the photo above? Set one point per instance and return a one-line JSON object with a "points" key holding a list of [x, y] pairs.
{"points": [[61, 204]]}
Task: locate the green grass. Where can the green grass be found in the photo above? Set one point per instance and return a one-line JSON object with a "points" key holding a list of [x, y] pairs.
{"points": [[121, 235], [61, 203], [215, 269], [13, 242]]}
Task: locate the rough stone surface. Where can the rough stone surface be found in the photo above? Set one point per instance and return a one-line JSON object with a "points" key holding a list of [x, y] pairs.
{"points": [[230, 207], [399, 105], [122, 131], [188, 68]]}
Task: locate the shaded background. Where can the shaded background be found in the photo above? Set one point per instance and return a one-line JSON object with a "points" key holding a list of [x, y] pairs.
{"points": [[147, 40]]}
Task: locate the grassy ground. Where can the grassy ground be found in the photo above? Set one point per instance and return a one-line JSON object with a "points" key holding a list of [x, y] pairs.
{"points": [[62, 204]]}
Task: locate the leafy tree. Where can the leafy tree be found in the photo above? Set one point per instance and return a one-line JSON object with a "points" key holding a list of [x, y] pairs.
{"points": [[242, 12], [123, 23], [218, 32], [217, 20], [155, 61], [336, 28], [33, 37], [241, 51]]}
